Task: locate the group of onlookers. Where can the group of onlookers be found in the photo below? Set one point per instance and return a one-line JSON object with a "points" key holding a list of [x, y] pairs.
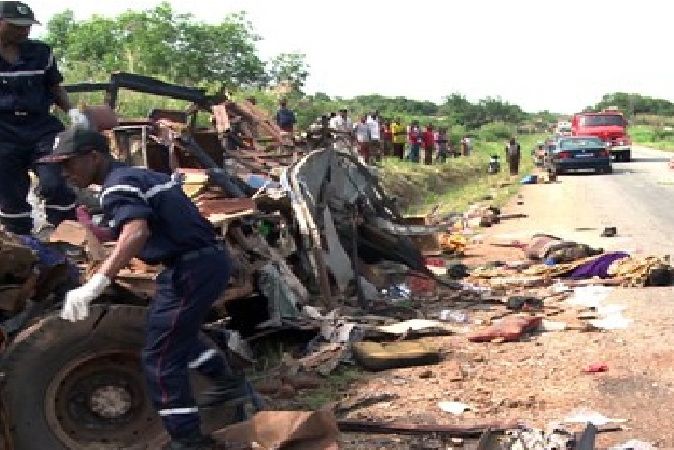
{"points": [[375, 137]]}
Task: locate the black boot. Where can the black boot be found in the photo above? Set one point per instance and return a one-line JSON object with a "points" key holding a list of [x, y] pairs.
{"points": [[228, 391], [196, 441]]}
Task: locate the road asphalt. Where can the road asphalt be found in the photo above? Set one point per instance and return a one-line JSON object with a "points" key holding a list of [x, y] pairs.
{"points": [[637, 199]]}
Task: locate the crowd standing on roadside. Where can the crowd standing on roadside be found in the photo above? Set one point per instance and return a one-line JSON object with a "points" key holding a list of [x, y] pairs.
{"points": [[375, 137]]}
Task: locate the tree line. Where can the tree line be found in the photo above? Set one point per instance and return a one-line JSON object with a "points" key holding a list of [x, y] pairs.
{"points": [[179, 49], [175, 47], [632, 104]]}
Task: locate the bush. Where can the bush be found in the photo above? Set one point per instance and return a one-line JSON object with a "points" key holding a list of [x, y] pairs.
{"points": [[496, 131], [663, 133]]}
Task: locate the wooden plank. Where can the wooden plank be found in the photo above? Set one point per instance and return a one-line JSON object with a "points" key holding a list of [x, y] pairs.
{"points": [[465, 430]]}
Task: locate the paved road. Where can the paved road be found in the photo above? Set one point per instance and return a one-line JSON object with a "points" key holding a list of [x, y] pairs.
{"points": [[541, 380], [638, 199]]}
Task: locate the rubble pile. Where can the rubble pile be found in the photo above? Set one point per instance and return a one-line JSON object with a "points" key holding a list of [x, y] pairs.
{"points": [[322, 253]]}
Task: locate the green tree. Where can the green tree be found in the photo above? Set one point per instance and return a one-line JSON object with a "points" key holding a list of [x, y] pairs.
{"points": [[158, 42], [291, 68]]}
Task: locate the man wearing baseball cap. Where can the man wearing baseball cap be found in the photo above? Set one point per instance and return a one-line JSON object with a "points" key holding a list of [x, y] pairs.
{"points": [[29, 84], [156, 222]]}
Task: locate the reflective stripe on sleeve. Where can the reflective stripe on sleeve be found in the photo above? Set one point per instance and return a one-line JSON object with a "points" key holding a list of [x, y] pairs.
{"points": [[22, 73], [154, 190], [22, 215], [205, 356], [61, 207], [178, 411], [50, 61]]}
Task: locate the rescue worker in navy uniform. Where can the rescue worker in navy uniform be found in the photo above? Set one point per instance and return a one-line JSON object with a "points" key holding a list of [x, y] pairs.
{"points": [[156, 221], [29, 84]]}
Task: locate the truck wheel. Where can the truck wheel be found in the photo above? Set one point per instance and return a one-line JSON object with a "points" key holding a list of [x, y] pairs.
{"points": [[80, 385]]}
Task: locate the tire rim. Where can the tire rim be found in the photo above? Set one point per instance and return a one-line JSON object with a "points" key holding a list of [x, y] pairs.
{"points": [[100, 402]]}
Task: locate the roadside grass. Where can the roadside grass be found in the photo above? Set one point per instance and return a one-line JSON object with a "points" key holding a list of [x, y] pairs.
{"points": [[331, 389], [659, 137], [459, 182], [271, 357]]}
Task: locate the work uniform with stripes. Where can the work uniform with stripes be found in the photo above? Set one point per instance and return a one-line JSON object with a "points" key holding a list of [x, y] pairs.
{"points": [[27, 132], [195, 275]]}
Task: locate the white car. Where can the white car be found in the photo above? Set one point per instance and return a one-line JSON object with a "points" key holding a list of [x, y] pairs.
{"points": [[563, 128]]}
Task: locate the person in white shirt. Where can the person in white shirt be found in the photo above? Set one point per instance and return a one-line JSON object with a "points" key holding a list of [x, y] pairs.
{"points": [[342, 121], [343, 130], [375, 135], [362, 131]]}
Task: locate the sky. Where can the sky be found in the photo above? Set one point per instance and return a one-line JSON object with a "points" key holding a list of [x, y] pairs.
{"points": [[547, 55]]}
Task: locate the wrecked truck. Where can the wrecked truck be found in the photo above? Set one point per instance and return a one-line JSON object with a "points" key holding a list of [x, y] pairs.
{"points": [[300, 225]]}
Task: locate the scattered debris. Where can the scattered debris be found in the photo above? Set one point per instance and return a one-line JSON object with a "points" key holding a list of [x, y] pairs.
{"points": [[634, 444], [455, 408], [346, 406], [454, 316], [382, 356], [398, 427], [593, 417], [526, 303], [509, 329], [596, 368], [609, 232], [417, 325], [283, 429]]}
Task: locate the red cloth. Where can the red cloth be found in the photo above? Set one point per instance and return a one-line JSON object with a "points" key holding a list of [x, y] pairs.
{"points": [[102, 233], [414, 136], [387, 134], [364, 150], [428, 138]]}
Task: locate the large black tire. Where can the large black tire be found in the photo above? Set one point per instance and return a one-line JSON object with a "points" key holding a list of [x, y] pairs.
{"points": [[50, 366]]}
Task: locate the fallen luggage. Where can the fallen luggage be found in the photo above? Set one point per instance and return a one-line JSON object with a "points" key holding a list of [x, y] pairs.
{"points": [[390, 355]]}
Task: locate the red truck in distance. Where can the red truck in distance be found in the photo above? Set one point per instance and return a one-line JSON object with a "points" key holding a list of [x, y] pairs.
{"points": [[610, 126]]}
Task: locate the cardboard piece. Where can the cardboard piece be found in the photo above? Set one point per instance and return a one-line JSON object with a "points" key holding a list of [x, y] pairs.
{"points": [[289, 430], [75, 233]]}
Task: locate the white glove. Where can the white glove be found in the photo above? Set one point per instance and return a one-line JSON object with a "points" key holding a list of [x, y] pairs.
{"points": [[78, 119], [76, 306]]}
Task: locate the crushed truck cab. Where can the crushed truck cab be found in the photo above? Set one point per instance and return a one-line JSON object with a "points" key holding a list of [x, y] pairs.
{"points": [[608, 125]]}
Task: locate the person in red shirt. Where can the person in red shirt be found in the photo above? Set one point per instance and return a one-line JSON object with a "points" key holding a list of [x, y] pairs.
{"points": [[387, 138], [428, 140]]}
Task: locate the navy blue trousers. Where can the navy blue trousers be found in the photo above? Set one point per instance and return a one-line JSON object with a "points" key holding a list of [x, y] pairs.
{"points": [[185, 292], [15, 161]]}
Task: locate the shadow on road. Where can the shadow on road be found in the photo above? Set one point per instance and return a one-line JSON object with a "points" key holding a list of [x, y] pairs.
{"points": [[586, 174], [638, 160]]}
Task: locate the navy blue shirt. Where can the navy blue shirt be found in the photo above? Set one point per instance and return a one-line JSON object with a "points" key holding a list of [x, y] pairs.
{"points": [[285, 117], [176, 226], [25, 93]]}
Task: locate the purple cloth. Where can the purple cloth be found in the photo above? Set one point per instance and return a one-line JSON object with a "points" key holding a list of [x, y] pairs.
{"points": [[597, 267]]}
